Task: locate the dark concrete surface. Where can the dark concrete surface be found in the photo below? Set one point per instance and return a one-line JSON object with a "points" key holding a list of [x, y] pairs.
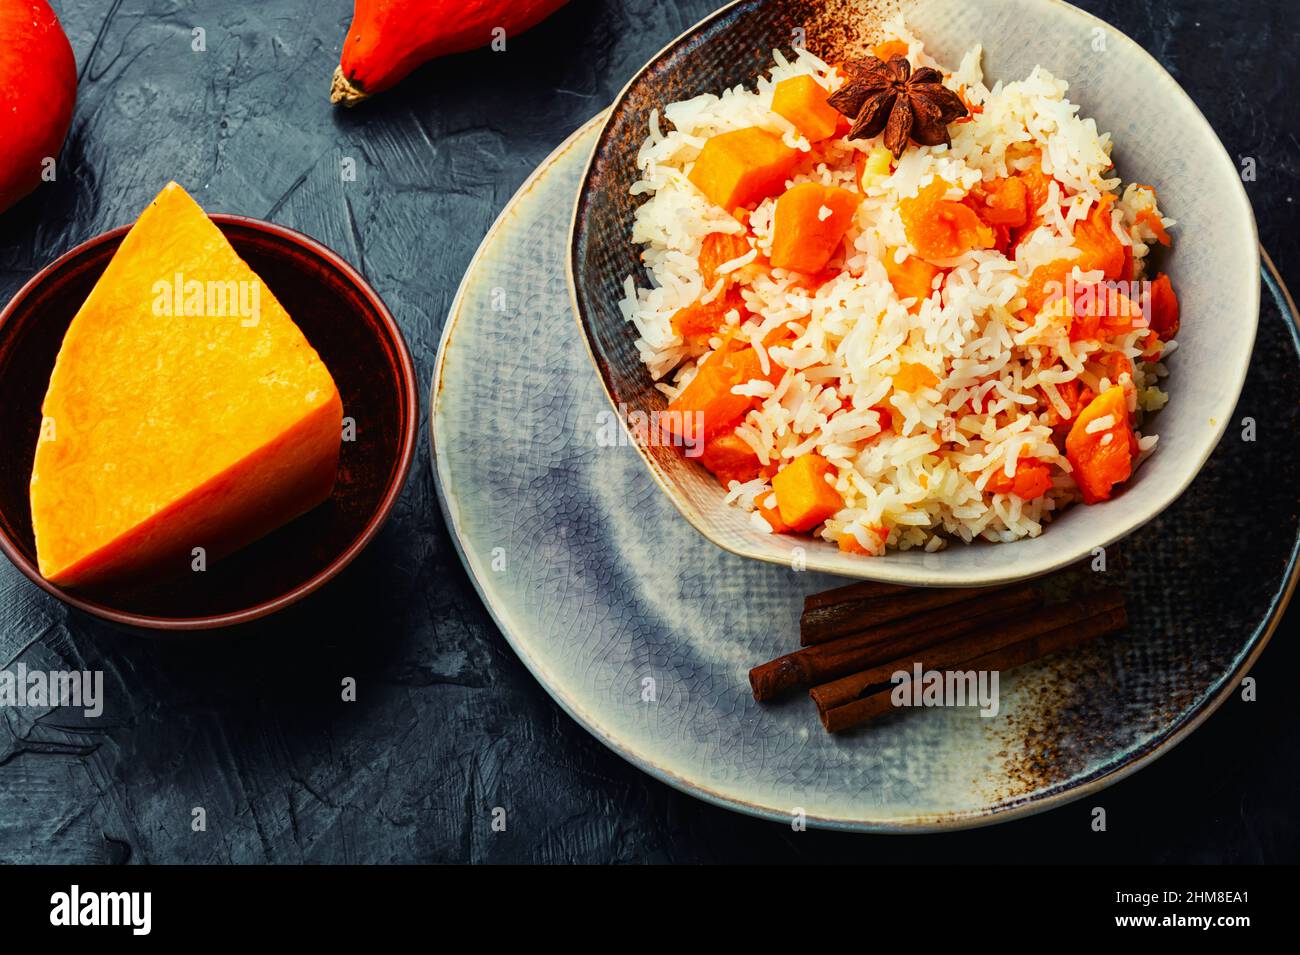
{"points": [[448, 724]]}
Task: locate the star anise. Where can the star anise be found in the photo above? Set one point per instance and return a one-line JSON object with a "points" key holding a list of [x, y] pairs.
{"points": [[904, 103]]}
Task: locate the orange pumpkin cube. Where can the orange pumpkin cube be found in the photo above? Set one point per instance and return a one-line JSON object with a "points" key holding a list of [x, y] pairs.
{"points": [[1101, 458], [1100, 247], [700, 321], [1032, 480], [709, 393], [911, 278], [849, 544], [1164, 308], [729, 458], [940, 228], [717, 250], [802, 100], [742, 167], [1047, 283], [803, 496], [773, 517], [1002, 202], [888, 49], [809, 225]]}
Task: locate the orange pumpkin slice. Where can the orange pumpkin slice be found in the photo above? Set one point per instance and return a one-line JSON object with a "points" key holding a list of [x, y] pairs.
{"points": [[177, 419]]}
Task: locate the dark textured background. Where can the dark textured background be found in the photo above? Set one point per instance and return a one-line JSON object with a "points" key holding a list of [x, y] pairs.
{"points": [[448, 723]]}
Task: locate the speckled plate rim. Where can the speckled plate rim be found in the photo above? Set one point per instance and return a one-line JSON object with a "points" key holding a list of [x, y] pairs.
{"points": [[397, 479], [1059, 795], [885, 570]]}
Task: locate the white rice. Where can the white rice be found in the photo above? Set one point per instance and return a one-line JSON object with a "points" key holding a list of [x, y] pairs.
{"points": [[853, 333]]}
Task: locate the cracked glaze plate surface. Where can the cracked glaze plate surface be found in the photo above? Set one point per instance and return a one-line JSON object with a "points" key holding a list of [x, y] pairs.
{"points": [[599, 584]]}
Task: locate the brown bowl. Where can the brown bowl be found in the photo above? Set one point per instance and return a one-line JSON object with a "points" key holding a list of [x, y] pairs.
{"points": [[356, 336]]}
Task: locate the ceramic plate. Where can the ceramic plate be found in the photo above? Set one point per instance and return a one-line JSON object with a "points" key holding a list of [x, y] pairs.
{"points": [[644, 631]]}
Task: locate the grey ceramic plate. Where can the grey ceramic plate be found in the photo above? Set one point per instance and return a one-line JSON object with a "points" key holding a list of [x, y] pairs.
{"points": [[600, 586], [1160, 137]]}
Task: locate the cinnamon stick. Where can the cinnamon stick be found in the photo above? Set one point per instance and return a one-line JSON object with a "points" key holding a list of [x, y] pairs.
{"points": [[858, 651], [849, 715], [985, 640], [827, 621], [866, 590], [861, 711]]}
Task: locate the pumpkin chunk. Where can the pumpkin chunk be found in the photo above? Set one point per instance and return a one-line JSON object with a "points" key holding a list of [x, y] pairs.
{"points": [[717, 249], [1038, 189], [730, 459], [174, 419], [911, 278], [1032, 480], [802, 495], [887, 49], [849, 544], [1047, 284], [1101, 456], [1096, 239], [742, 167], [773, 517], [698, 322], [709, 393], [1101, 312], [802, 100], [940, 228], [1164, 309], [1003, 202], [809, 225]]}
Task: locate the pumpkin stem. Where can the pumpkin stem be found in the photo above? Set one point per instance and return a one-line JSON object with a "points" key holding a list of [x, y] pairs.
{"points": [[342, 90]]}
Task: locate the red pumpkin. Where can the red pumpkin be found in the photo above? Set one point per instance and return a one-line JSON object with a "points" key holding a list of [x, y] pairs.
{"points": [[388, 39], [38, 88]]}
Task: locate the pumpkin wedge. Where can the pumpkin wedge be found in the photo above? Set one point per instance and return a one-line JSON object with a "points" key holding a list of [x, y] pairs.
{"points": [[185, 410]]}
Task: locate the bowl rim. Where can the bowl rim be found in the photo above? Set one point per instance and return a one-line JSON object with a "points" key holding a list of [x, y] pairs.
{"points": [[1006, 571], [397, 480]]}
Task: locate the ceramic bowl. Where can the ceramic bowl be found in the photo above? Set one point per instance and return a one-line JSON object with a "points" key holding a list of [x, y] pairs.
{"points": [[1161, 138], [345, 321]]}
